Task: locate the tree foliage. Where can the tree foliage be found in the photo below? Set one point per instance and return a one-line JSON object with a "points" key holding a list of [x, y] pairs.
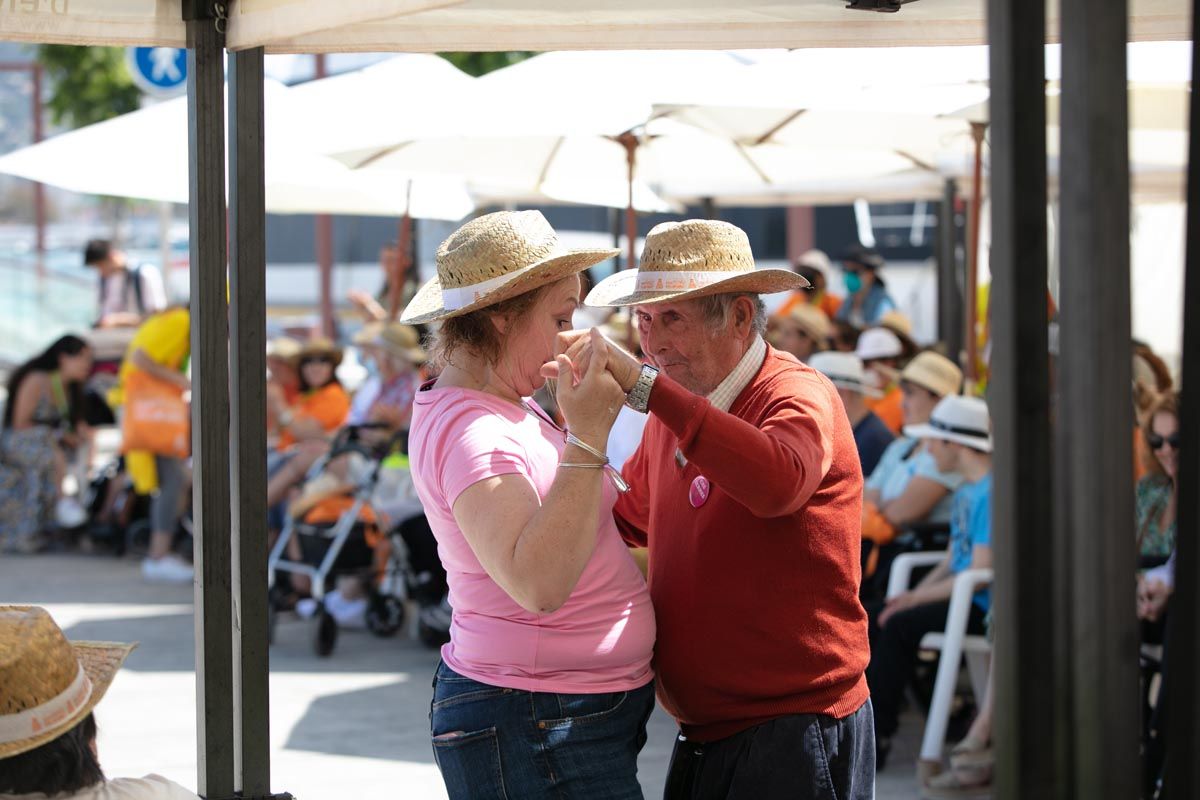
{"points": [[87, 84], [477, 64]]}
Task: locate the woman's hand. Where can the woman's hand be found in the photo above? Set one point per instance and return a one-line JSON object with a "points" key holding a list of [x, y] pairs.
{"points": [[589, 403], [579, 346]]}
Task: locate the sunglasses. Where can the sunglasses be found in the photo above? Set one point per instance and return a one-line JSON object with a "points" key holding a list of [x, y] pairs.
{"points": [[304, 362], [1156, 442]]}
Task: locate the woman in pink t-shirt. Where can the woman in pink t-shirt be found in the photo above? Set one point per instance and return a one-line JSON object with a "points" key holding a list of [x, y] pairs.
{"points": [[545, 687]]}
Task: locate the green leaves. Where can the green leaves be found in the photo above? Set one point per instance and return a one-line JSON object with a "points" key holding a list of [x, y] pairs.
{"points": [[87, 84]]}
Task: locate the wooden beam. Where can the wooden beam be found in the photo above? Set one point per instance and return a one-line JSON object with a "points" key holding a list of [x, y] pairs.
{"points": [[210, 409], [248, 329], [1096, 465], [1026, 729]]}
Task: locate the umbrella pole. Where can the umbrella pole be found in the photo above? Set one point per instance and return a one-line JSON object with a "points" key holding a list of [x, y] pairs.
{"points": [[630, 143], [972, 302], [397, 279]]}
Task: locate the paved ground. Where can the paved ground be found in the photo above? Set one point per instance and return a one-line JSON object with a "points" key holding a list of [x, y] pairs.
{"points": [[351, 726]]}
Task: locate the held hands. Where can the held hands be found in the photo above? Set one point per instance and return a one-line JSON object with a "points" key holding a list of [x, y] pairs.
{"points": [[579, 347], [589, 396]]}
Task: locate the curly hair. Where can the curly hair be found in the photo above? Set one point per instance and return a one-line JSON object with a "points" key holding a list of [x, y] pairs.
{"points": [[475, 331]]}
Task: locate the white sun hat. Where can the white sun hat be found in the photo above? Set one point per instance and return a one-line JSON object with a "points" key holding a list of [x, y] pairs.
{"points": [[844, 370], [963, 420], [878, 343]]}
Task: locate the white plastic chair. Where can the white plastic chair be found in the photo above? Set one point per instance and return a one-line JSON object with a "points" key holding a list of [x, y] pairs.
{"points": [[953, 643]]}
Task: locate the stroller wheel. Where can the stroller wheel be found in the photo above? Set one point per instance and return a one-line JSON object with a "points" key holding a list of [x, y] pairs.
{"points": [[385, 615], [325, 633]]}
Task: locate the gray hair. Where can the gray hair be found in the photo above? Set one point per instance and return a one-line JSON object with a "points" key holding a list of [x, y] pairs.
{"points": [[715, 310]]}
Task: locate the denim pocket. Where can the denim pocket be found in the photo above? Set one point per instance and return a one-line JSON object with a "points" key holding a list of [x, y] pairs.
{"points": [[470, 765], [585, 708]]}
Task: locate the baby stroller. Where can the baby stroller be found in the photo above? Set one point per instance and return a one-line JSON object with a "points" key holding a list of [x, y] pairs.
{"points": [[340, 538]]}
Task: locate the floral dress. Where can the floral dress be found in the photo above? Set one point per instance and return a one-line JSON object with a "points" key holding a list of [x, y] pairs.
{"points": [[1153, 495], [27, 490]]}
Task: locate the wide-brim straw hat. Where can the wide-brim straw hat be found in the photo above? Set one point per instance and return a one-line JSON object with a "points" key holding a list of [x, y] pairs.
{"points": [[844, 370], [400, 340], [934, 372], [690, 259], [283, 347], [48, 685], [319, 347], [812, 321], [493, 258], [963, 420]]}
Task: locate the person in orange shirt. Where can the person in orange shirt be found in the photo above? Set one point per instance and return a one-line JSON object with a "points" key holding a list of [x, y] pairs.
{"points": [[304, 427], [881, 350], [812, 266]]}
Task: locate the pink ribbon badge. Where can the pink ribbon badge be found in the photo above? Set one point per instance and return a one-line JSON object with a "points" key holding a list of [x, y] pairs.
{"points": [[698, 493]]}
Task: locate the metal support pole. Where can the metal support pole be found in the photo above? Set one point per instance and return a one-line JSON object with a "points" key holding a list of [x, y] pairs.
{"points": [[630, 143], [248, 329], [1027, 726], [971, 284], [210, 409], [949, 291], [324, 247], [1096, 480], [1183, 651], [39, 191]]}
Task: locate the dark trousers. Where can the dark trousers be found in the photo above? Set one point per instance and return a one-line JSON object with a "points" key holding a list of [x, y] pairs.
{"points": [[795, 757], [894, 650]]}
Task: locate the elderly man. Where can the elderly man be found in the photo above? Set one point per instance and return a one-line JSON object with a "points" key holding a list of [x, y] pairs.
{"points": [[747, 490]]}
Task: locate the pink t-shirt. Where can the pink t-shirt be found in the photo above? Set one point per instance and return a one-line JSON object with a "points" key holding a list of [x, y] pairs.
{"points": [[602, 638]]}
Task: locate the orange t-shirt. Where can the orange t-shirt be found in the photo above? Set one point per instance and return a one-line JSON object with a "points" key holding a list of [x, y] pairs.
{"points": [[889, 409], [329, 406], [826, 302]]}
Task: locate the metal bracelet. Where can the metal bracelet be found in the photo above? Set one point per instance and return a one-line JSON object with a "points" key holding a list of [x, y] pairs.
{"points": [[572, 439], [582, 466]]}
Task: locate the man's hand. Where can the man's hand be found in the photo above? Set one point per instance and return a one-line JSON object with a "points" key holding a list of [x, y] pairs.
{"points": [[579, 346], [1152, 596], [901, 602]]}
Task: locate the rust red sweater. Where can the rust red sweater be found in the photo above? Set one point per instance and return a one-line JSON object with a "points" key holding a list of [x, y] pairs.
{"points": [[756, 591]]}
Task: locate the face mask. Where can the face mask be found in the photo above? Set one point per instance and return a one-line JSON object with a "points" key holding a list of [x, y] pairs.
{"points": [[853, 282]]}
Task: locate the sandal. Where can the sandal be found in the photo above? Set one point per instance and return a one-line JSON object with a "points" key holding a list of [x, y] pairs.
{"points": [[950, 786]]}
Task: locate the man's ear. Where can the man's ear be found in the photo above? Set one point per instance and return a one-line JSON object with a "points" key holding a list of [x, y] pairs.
{"points": [[743, 316]]}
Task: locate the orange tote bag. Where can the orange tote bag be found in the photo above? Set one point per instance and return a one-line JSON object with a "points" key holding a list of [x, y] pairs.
{"points": [[156, 419]]}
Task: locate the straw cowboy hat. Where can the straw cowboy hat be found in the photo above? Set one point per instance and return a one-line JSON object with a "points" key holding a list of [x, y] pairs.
{"points": [[934, 372], [963, 420], [812, 321], [844, 370], [493, 258], [319, 347], [694, 258], [400, 340], [47, 684]]}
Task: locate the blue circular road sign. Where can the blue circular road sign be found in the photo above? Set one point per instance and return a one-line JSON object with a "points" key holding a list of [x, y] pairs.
{"points": [[158, 70]]}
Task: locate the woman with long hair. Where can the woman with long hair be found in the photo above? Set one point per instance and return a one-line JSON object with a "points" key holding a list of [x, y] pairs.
{"points": [[1158, 491], [42, 424]]}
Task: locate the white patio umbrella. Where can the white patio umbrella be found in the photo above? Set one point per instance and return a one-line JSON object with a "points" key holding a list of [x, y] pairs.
{"points": [[144, 155], [578, 121]]}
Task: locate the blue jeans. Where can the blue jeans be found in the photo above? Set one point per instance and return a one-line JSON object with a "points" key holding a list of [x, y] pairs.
{"points": [[491, 742], [797, 757]]}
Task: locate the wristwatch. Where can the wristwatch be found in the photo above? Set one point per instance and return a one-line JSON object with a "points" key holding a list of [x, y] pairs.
{"points": [[639, 396]]}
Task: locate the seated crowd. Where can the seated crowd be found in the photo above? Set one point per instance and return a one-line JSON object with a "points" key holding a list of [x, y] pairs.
{"points": [[922, 433]]}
